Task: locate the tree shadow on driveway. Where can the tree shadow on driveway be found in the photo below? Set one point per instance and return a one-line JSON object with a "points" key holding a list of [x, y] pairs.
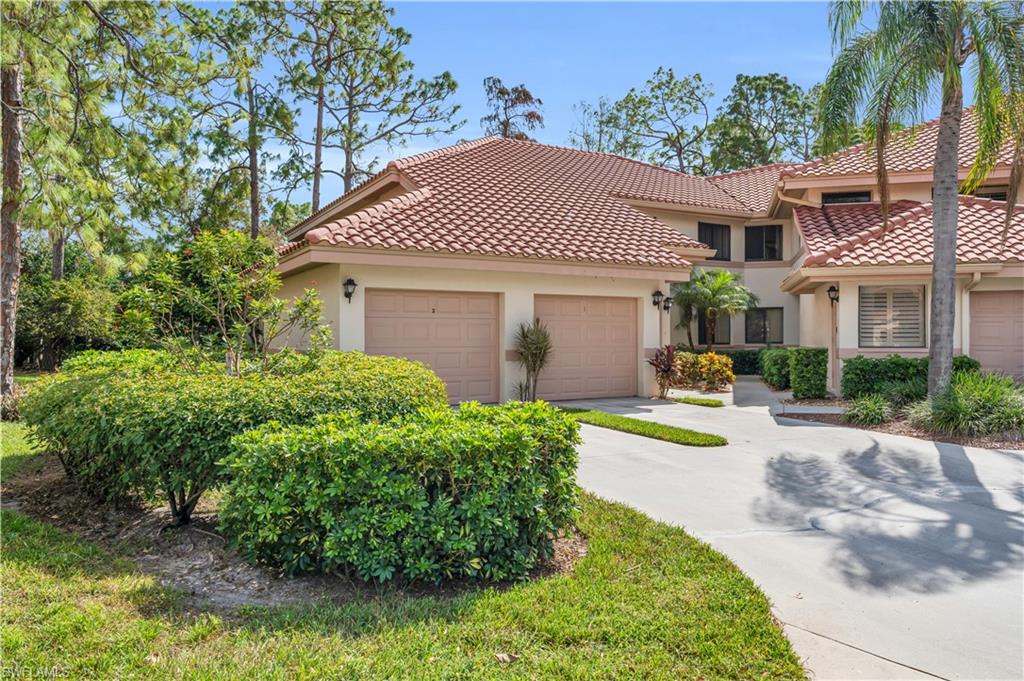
{"points": [[900, 520]]}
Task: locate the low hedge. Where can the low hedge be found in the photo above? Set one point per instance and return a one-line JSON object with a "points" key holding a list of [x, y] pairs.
{"points": [[479, 492], [808, 372], [865, 375], [775, 367], [131, 424]]}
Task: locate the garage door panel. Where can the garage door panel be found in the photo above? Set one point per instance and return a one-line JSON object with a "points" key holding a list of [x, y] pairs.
{"points": [[997, 330], [594, 347], [454, 333]]}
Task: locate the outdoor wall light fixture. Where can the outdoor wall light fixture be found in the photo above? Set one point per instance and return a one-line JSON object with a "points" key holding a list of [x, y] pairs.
{"points": [[667, 305], [350, 289], [833, 294], [657, 296]]}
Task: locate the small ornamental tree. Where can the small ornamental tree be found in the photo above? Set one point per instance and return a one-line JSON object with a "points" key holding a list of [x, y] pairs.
{"points": [[663, 362], [219, 293], [533, 343]]}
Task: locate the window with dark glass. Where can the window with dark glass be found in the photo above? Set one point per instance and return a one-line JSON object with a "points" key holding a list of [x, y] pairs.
{"points": [[723, 329], [764, 325], [846, 197], [763, 242], [994, 193], [717, 237]]}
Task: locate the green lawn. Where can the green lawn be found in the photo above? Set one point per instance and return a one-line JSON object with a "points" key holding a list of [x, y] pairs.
{"points": [[699, 401], [647, 601], [26, 377], [658, 431]]}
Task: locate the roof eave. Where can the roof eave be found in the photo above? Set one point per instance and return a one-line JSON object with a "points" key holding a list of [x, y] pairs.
{"points": [[310, 255]]}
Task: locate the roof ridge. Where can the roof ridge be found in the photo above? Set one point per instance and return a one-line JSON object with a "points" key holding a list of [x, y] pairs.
{"points": [[736, 198], [375, 211], [752, 169], [828, 158], [458, 147]]}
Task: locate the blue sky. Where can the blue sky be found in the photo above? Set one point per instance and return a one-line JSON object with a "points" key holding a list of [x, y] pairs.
{"points": [[567, 52]]}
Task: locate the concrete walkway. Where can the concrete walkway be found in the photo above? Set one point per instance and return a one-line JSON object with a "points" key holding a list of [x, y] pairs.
{"points": [[886, 557]]}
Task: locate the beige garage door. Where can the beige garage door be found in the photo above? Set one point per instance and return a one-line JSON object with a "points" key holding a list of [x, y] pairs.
{"points": [[997, 330], [594, 347], [455, 333]]}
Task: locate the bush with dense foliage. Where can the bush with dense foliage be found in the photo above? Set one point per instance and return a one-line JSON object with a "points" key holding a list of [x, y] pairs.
{"points": [[715, 371], [687, 369], [901, 393], [479, 492], [808, 372], [130, 423], [56, 318], [865, 375], [869, 410], [775, 367], [744, 362], [975, 404]]}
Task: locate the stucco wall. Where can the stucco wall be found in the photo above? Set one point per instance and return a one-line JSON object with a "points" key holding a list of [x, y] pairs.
{"points": [[763, 278], [516, 294], [325, 280]]}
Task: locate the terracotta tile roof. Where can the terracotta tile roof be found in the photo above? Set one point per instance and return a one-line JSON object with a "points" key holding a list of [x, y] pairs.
{"points": [[510, 198], [910, 150], [753, 187], [838, 236]]}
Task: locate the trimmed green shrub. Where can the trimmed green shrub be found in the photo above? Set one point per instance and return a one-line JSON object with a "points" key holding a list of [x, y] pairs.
{"points": [[775, 367], [715, 371], [901, 393], [869, 410], [808, 372], [962, 363], [125, 425], [975, 404], [479, 492], [864, 375], [744, 362]]}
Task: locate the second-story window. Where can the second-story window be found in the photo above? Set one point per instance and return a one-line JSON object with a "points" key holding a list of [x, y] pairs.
{"points": [[717, 237], [763, 242], [846, 197]]}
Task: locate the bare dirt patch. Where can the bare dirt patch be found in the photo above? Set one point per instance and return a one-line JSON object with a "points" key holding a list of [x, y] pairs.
{"points": [[903, 427], [196, 560]]}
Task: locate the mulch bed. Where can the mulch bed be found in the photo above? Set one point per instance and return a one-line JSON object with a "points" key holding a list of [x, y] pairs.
{"points": [[824, 402], [196, 560], [903, 427]]}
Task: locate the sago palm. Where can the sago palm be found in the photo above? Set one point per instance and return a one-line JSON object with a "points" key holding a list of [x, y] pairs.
{"points": [[719, 293], [890, 73]]}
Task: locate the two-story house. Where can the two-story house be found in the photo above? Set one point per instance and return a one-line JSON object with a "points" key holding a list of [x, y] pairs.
{"points": [[440, 257]]}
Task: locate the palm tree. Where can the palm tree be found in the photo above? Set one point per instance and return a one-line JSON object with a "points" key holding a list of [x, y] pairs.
{"points": [[684, 298], [717, 293], [889, 73]]}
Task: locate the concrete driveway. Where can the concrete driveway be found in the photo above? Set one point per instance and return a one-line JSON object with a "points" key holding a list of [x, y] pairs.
{"points": [[884, 556]]}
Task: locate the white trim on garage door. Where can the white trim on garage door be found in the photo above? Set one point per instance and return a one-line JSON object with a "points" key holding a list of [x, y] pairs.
{"points": [[453, 332], [594, 347], [997, 330]]}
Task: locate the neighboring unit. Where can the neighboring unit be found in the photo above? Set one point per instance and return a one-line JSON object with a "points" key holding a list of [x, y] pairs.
{"points": [[445, 253]]}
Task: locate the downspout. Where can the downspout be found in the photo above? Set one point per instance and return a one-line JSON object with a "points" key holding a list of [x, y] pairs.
{"points": [[965, 312]]}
